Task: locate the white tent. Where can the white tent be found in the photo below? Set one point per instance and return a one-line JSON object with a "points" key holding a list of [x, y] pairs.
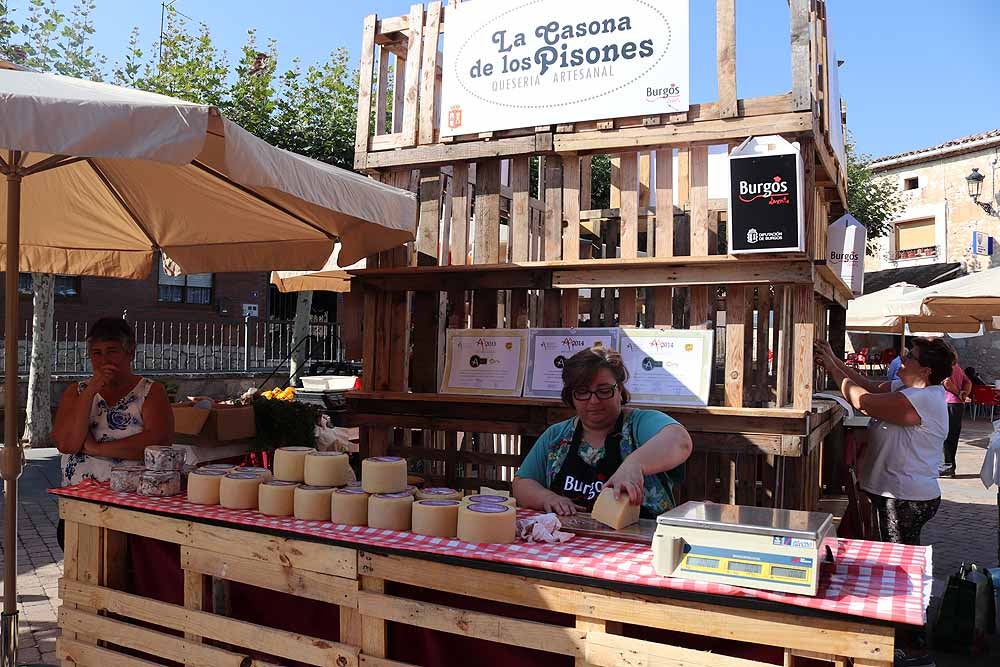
{"points": [[973, 298]]}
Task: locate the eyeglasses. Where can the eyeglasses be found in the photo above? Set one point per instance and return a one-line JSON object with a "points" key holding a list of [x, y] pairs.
{"points": [[604, 392]]}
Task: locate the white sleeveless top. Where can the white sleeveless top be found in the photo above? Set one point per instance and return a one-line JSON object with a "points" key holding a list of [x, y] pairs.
{"points": [[107, 423]]}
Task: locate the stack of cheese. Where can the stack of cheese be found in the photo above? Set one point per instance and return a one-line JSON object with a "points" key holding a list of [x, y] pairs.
{"points": [[489, 519], [390, 498], [158, 475]]}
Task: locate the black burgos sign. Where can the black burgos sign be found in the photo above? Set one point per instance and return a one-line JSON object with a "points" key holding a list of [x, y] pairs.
{"points": [[765, 199]]}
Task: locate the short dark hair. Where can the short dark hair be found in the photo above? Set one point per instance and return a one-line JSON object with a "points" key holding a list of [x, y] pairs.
{"points": [[112, 329], [580, 369], [936, 355]]}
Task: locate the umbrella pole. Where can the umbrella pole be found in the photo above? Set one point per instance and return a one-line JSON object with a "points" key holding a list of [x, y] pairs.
{"points": [[12, 459]]}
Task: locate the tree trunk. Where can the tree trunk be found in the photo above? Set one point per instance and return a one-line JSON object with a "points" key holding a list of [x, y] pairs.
{"points": [[38, 429], [300, 329]]}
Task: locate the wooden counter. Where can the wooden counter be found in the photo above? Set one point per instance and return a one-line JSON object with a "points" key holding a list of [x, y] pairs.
{"points": [[103, 625]]}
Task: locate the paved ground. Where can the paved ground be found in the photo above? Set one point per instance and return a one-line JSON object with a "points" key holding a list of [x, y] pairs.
{"points": [[965, 529]]}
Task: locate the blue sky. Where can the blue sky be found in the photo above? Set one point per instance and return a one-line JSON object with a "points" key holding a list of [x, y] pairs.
{"points": [[917, 72]]}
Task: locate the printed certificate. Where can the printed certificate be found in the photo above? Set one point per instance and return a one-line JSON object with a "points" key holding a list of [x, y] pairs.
{"points": [[484, 362], [668, 366], [549, 348]]}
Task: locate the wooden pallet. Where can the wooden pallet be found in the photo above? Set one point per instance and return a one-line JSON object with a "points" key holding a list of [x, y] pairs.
{"points": [[102, 625]]}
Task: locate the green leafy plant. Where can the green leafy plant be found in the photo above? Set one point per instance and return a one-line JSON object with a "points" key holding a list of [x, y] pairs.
{"points": [[284, 424]]}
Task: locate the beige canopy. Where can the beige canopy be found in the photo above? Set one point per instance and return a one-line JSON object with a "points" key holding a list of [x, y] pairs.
{"points": [[144, 172], [331, 278], [99, 178], [882, 312], [973, 298]]}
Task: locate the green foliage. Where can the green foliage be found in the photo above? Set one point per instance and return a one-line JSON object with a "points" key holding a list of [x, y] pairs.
{"points": [[600, 181], [875, 201], [284, 424], [50, 40]]}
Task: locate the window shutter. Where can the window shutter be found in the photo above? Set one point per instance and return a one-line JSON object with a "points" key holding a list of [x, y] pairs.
{"points": [[199, 280]]}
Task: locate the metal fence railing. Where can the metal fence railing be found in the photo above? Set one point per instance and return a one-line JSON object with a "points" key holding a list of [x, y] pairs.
{"points": [[219, 346]]}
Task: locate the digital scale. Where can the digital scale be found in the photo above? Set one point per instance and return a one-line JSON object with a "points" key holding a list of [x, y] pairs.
{"points": [[755, 547]]}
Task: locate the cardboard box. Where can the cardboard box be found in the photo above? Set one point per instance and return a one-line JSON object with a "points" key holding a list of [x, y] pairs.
{"points": [[189, 420], [229, 422]]}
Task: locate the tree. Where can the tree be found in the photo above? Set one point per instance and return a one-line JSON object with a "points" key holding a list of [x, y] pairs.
{"points": [[875, 201], [51, 42]]}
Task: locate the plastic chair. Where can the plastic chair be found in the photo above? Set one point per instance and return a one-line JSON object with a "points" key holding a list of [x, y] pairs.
{"points": [[984, 396], [857, 359]]}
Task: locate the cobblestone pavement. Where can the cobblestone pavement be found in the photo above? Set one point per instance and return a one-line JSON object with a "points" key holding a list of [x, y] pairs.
{"points": [[964, 530]]}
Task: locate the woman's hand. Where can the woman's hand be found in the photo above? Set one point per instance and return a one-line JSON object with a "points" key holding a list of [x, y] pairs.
{"points": [[559, 505], [824, 355], [628, 479], [100, 379]]}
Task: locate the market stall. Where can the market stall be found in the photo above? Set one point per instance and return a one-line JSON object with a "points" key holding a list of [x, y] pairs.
{"points": [[142, 574], [340, 595]]}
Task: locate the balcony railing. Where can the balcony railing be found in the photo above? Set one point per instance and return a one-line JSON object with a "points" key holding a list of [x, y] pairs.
{"points": [[912, 253]]}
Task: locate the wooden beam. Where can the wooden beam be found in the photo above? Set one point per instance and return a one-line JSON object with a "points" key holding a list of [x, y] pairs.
{"points": [[366, 73], [487, 229], [428, 83], [382, 88], [609, 650], [520, 217], [429, 223], [803, 69], [411, 109], [736, 313], [725, 38], [459, 237], [804, 314]]}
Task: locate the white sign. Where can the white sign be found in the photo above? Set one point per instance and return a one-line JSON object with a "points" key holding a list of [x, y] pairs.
{"points": [[548, 349], [845, 251], [251, 310], [668, 366], [522, 64], [488, 362]]}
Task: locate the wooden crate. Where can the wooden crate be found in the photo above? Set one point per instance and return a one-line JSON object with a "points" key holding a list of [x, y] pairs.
{"points": [[508, 235], [103, 625]]}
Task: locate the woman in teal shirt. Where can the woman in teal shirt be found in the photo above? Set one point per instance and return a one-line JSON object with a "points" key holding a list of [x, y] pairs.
{"points": [[636, 452]]}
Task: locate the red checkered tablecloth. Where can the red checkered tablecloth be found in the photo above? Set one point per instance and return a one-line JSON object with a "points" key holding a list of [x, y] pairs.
{"points": [[889, 582]]}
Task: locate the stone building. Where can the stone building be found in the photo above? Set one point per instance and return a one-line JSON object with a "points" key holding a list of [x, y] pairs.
{"points": [[941, 220]]}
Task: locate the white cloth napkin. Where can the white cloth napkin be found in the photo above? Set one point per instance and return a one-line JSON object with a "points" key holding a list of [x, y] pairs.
{"points": [[542, 528]]}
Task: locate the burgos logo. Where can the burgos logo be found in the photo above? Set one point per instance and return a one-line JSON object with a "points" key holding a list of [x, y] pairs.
{"points": [[671, 93], [753, 236], [773, 188]]}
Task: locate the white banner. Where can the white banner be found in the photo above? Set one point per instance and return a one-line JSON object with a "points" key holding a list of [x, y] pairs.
{"points": [[527, 63]]}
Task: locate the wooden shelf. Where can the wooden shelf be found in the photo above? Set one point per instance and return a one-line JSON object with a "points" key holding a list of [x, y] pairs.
{"points": [[645, 272], [731, 430]]}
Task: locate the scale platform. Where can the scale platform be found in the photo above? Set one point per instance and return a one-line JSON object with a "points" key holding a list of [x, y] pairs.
{"points": [[755, 547]]}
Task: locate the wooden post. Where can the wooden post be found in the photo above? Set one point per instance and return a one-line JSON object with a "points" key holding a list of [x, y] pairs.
{"points": [[366, 74], [428, 83], [459, 237], [735, 320], [726, 57], [804, 314], [802, 73], [413, 62], [571, 234], [629, 212]]}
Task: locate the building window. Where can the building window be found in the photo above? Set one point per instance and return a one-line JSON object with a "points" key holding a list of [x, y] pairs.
{"points": [[916, 238], [195, 288], [66, 287], [911, 183]]}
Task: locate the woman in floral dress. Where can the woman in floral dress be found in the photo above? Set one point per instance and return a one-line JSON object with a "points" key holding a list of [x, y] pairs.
{"points": [[113, 416]]}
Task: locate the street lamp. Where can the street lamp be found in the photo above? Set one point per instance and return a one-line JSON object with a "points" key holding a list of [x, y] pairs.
{"points": [[974, 181]]}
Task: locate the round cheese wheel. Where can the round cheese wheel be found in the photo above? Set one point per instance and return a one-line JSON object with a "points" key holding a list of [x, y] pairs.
{"points": [[203, 486], [438, 518], [312, 503], [501, 500], [159, 483], [487, 523], [390, 511], [383, 474], [163, 458], [264, 473], [289, 463], [125, 477], [349, 506], [238, 490], [438, 493], [327, 469], [276, 498]]}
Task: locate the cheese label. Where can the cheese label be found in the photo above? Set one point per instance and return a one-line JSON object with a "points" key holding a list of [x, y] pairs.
{"points": [[243, 475], [254, 470], [218, 466], [488, 508], [438, 491], [385, 459], [210, 473], [488, 499], [398, 494], [281, 482], [327, 454], [353, 490], [295, 449], [310, 487], [438, 503]]}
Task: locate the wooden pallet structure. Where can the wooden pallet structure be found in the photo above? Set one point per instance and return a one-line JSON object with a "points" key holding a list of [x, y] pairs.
{"points": [[509, 236]]}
